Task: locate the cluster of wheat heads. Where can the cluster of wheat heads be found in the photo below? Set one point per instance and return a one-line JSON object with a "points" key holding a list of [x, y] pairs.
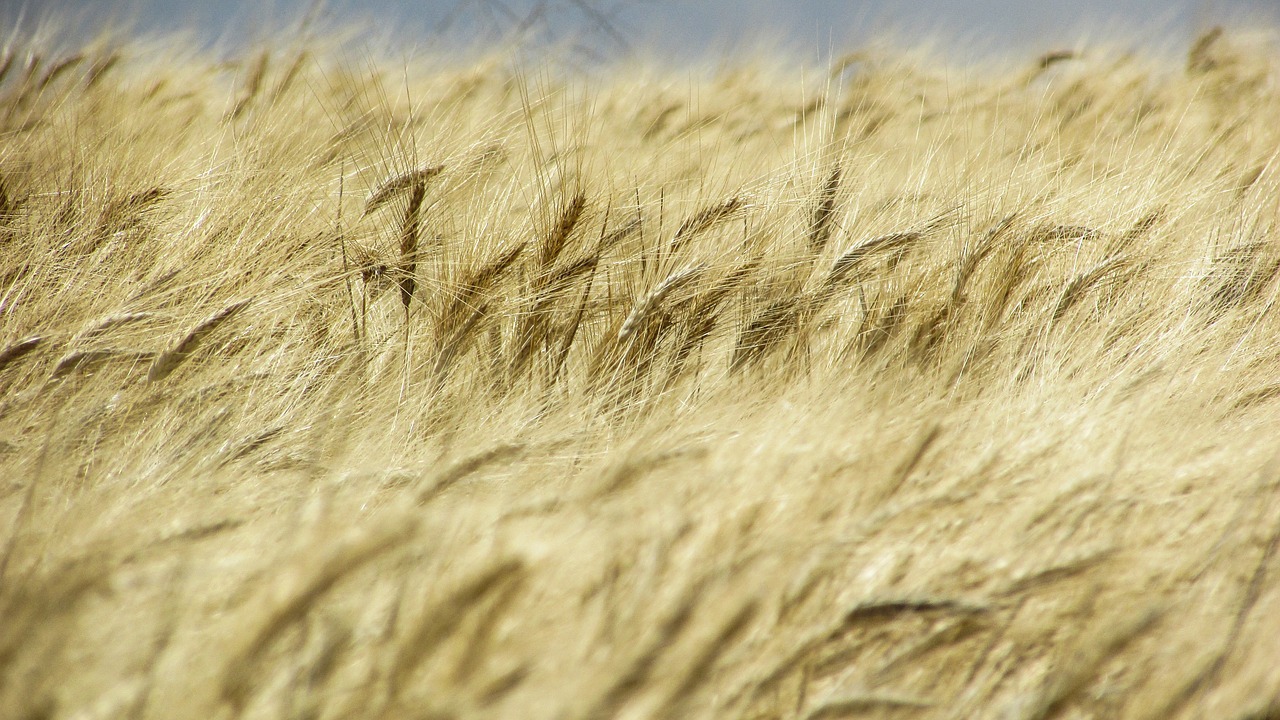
{"points": [[431, 391]]}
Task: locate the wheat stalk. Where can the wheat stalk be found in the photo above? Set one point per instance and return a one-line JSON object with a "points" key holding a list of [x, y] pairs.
{"points": [[704, 315], [455, 343], [680, 700], [631, 345], [632, 679]]}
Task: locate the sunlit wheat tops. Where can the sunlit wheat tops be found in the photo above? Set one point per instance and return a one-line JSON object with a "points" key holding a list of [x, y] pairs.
{"points": [[895, 389]]}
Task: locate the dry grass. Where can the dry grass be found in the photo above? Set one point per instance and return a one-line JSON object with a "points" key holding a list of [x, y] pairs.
{"points": [[916, 392]]}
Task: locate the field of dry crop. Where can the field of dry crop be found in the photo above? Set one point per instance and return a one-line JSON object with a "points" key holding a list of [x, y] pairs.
{"points": [[337, 388]]}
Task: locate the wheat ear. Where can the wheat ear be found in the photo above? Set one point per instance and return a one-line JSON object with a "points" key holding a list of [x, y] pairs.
{"points": [[1076, 289], [647, 304], [821, 222], [409, 244], [170, 359], [17, 350], [704, 220], [559, 236], [853, 258], [399, 184]]}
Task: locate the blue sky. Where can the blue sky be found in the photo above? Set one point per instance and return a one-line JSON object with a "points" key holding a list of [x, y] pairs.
{"points": [[675, 28]]}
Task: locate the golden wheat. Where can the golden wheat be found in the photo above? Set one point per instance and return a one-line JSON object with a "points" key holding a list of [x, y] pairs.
{"points": [[921, 390]]}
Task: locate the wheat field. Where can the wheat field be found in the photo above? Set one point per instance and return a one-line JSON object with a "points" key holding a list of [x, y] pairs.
{"points": [[443, 388]]}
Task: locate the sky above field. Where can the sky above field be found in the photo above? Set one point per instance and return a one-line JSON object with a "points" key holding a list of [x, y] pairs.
{"points": [[675, 28]]}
